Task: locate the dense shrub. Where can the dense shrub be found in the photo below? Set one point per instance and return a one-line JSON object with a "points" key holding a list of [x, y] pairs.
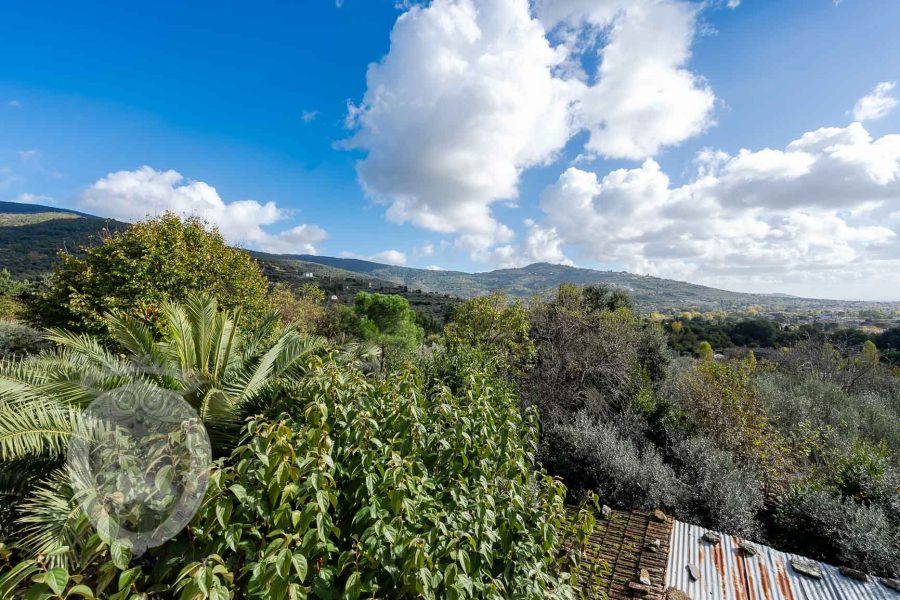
{"points": [[719, 400], [140, 268], [355, 487], [588, 357], [593, 455], [820, 523], [495, 326], [792, 400], [17, 339], [720, 494]]}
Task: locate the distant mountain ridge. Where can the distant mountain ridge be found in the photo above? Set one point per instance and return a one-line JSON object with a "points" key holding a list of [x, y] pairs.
{"points": [[28, 247], [648, 292]]}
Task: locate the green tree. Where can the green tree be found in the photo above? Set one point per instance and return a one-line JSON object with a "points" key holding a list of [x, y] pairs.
{"points": [[870, 353], [705, 351], [387, 321], [142, 267], [303, 307], [495, 326]]}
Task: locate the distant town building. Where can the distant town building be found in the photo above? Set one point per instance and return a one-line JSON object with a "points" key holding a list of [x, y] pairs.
{"points": [[309, 274]]}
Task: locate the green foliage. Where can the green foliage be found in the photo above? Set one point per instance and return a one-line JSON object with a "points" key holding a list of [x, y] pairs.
{"points": [[10, 286], [358, 488], [830, 527], [493, 325], [722, 494], [592, 455], [221, 371], [139, 269], [17, 339], [304, 307], [390, 323], [379, 489], [705, 351], [588, 357], [720, 401]]}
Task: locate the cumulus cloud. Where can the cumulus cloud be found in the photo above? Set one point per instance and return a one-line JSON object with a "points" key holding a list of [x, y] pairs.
{"points": [[877, 103], [388, 257], [641, 97], [308, 116], [820, 209], [133, 195], [474, 92], [28, 154], [464, 102]]}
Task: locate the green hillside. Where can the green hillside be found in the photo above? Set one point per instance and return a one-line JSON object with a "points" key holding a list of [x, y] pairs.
{"points": [[31, 236], [649, 293]]}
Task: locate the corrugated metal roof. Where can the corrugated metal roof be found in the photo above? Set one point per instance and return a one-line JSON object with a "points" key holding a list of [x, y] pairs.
{"points": [[728, 573]]}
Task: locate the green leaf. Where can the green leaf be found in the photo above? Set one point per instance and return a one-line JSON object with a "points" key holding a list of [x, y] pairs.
{"points": [[128, 577], [239, 492], [283, 563], [300, 565], [56, 580], [120, 551], [82, 591]]}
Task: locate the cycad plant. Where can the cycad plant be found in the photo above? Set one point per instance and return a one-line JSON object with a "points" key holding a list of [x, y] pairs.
{"points": [[202, 354]]}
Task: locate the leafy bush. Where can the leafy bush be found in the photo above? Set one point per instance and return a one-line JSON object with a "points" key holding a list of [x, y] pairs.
{"points": [[593, 455], [304, 307], [17, 339], [719, 401], [337, 500], [493, 325], [820, 523], [356, 487], [142, 267], [387, 321], [721, 494], [791, 401]]}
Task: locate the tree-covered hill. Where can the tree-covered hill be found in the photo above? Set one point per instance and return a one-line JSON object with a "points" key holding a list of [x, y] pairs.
{"points": [[31, 236], [648, 293]]}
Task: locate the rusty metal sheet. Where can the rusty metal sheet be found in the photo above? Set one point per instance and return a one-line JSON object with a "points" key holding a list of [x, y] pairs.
{"points": [[729, 573]]}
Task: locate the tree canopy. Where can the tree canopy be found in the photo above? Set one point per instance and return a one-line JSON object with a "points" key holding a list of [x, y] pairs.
{"points": [[140, 268]]}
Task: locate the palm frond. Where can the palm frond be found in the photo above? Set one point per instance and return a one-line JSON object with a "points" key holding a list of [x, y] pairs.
{"points": [[51, 518], [87, 347], [130, 333], [36, 427]]}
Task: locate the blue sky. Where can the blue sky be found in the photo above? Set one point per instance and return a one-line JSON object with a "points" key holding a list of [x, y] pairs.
{"points": [[253, 100]]}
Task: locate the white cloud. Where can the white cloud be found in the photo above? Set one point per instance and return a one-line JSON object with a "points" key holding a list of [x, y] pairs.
{"points": [[308, 116], [389, 257], [28, 198], [133, 195], [809, 216], [473, 92], [426, 249], [14, 104], [464, 102], [434, 268], [28, 154], [877, 103], [642, 97]]}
